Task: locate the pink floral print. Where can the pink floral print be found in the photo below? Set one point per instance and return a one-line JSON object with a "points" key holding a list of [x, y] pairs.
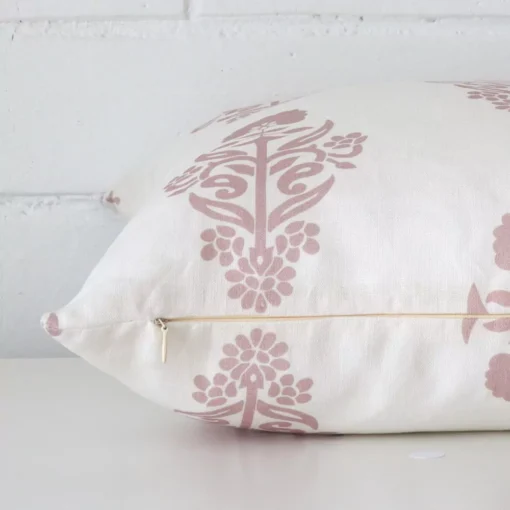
{"points": [[254, 383], [288, 392], [257, 289], [220, 241], [236, 114], [262, 349], [475, 306], [259, 247], [215, 393], [298, 237], [230, 116], [498, 376], [497, 93], [502, 243], [501, 297]]}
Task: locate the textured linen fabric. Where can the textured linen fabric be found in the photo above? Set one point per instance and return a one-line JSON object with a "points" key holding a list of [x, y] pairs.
{"points": [[386, 200]]}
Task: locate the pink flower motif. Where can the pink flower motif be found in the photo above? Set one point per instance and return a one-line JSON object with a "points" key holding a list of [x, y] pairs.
{"points": [[221, 241], [289, 393], [230, 116], [185, 181], [272, 127], [300, 236], [251, 360], [475, 306], [240, 113], [259, 284], [250, 368], [341, 147], [497, 93], [260, 265], [215, 393], [502, 243], [499, 98], [345, 142], [502, 298], [498, 376]]}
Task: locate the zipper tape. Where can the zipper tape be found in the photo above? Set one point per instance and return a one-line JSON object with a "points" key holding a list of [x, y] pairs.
{"points": [[163, 323], [290, 318]]}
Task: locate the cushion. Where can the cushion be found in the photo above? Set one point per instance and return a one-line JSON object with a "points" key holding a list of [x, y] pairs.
{"points": [[337, 262]]}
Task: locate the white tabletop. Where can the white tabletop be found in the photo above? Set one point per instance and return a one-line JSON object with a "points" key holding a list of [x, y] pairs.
{"points": [[71, 438]]}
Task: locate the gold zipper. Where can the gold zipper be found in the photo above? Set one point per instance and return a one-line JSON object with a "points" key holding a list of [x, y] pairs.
{"points": [[163, 323], [291, 318]]}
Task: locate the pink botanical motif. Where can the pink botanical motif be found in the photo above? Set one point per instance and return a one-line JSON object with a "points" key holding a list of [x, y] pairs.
{"points": [[236, 114], [289, 393], [500, 297], [502, 243], [110, 198], [215, 393], [475, 306], [254, 385], [498, 376], [497, 93], [275, 163]]}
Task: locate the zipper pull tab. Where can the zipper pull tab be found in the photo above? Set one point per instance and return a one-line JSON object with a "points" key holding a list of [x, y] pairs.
{"points": [[164, 331]]}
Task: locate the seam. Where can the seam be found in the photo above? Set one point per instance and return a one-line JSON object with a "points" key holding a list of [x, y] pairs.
{"points": [[292, 318], [101, 326]]}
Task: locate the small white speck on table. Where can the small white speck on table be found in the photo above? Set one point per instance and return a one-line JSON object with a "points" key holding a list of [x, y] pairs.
{"points": [[72, 438]]}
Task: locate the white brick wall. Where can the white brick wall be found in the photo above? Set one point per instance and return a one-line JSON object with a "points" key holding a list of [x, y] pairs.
{"points": [[48, 246], [357, 7], [87, 9], [93, 92]]}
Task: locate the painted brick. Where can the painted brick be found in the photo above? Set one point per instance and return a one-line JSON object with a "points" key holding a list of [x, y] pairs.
{"points": [[356, 7], [48, 248], [87, 9]]}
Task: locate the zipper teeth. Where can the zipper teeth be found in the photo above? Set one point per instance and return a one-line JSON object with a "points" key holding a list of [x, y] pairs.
{"points": [[293, 318]]}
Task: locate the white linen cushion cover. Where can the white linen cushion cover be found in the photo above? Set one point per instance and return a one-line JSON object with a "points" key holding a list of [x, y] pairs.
{"points": [[325, 264]]}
